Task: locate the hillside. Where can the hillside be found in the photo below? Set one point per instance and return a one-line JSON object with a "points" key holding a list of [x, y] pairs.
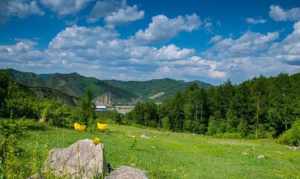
{"points": [[162, 88], [34, 93], [75, 84]]}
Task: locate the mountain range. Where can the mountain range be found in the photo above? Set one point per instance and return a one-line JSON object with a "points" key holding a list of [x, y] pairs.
{"points": [[73, 85]]}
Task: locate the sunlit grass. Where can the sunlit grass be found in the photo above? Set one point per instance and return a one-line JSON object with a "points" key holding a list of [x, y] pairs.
{"points": [[174, 155]]}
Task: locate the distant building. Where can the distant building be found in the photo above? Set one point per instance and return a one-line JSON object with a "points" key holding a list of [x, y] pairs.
{"points": [[100, 108], [103, 102]]}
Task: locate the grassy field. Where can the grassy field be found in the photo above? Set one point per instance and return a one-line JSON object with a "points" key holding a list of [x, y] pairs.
{"points": [[175, 155]]}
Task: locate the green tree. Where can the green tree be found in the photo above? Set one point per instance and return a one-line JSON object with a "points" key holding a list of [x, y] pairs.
{"points": [[87, 107]]}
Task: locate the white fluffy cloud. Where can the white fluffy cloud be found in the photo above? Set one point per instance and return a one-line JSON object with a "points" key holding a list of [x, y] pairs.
{"points": [[249, 43], [105, 8], [124, 15], [172, 52], [163, 28], [21, 8], [288, 50], [279, 14], [251, 20], [254, 54], [65, 7], [82, 37], [106, 54], [23, 52], [103, 52]]}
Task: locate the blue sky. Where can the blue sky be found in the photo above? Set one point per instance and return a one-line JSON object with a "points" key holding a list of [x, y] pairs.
{"points": [[209, 40]]}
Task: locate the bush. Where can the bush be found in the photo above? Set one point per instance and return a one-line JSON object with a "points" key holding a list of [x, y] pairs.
{"points": [[216, 127], [166, 123], [291, 136], [10, 152]]}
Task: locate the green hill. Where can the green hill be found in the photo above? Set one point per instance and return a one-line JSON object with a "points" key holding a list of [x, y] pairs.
{"points": [[74, 84], [146, 89]]}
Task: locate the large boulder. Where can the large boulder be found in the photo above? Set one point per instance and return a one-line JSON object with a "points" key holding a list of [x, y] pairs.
{"points": [[82, 159], [125, 172]]}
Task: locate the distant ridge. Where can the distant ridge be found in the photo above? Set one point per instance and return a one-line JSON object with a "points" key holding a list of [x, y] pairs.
{"points": [[123, 92]]}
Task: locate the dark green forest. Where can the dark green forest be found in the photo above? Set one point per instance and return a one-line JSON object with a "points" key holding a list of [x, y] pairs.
{"points": [[261, 107]]}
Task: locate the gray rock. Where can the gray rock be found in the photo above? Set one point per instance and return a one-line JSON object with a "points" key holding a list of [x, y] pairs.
{"points": [[82, 159], [125, 172]]}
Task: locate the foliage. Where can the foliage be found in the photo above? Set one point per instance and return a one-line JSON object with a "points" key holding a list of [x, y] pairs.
{"points": [[10, 132], [256, 108], [291, 136], [145, 114], [87, 108]]}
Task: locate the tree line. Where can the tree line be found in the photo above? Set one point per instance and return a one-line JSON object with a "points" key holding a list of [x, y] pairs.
{"points": [[18, 101], [256, 108]]}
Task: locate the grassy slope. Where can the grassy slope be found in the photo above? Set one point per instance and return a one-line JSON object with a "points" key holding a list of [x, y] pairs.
{"points": [[178, 155]]}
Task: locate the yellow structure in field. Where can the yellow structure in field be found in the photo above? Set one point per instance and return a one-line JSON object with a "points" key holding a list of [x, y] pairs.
{"points": [[102, 126], [79, 127]]}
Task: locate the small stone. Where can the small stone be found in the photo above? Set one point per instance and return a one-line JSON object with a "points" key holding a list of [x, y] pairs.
{"points": [[260, 157], [125, 172]]}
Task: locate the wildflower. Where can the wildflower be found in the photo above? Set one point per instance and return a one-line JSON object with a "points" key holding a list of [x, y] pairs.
{"points": [[102, 126], [79, 127], [96, 140]]}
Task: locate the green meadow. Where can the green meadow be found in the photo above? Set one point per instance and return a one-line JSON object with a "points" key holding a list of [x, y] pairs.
{"points": [[171, 155]]}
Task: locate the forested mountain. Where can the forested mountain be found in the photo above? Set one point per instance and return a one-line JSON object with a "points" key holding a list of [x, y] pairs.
{"points": [[258, 107], [20, 101], [159, 89], [74, 84]]}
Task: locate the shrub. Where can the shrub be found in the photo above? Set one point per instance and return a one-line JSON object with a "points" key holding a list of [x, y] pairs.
{"points": [[10, 132], [216, 127], [243, 128], [291, 136], [212, 127], [165, 123]]}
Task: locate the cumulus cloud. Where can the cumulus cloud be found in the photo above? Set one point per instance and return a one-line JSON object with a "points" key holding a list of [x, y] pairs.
{"points": [[163, 28], [103, 52], [251, 20], [21, 9], [107, 55], [65, 7], [23, 52], [172, 52], [81, 37], [105, 8], [288, 50], [279, 14], [254, 54], [124, 15], [250, 43]]}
